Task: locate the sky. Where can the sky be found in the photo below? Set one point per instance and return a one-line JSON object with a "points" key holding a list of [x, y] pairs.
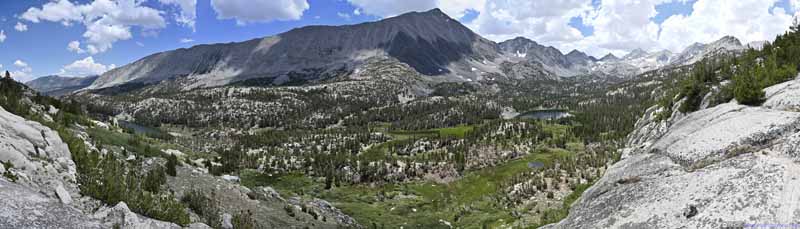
{"points": [[87, 37]]}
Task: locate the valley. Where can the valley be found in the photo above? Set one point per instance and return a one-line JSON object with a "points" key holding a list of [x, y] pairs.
{"points": [[412, 121]]}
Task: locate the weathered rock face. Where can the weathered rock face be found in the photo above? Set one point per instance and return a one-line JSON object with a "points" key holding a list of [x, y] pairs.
{"points": [[120, 215], [23, 207], [785, 96], [726, 165], [45, 188], [40, 159]]}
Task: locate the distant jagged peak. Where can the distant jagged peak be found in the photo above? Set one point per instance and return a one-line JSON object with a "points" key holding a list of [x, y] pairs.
{"points": [[521, 38], [636, 53], [694, 46], [609, 58], [519, 41], [575, 52], [523, 45], [579, 56], [663, 51], [727, 42]]}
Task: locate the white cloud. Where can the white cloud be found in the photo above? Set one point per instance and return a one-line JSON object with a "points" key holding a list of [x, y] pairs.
{"points": [[712, 19], [618, 25], [622, 25], [188, 13], [250, 11], [23, 72], [56, 11], [20, 64], [101, 36], [21, 27], [75, 46], [106, 21], [186, 40], [2, 36], [543, 21], [345, 16], [85, 67]]}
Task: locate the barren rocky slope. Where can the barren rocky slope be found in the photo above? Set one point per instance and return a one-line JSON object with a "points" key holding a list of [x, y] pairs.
{"points": [[59, 85], [726, 165]]}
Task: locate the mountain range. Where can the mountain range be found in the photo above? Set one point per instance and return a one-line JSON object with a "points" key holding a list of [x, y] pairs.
{"points": [[59, 85], [430, 42]]}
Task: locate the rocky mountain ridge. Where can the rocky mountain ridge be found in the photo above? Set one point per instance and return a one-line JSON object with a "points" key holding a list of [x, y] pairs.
{"points": [[55, 85], [639, 61], [430, 42]]}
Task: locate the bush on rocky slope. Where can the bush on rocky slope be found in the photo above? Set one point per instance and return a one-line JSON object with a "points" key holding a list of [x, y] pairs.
{"points": [[100, 176]]}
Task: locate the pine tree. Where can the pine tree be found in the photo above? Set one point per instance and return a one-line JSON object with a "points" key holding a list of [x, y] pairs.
{"points": [[8, 75], [746, 87], [172, 162]]}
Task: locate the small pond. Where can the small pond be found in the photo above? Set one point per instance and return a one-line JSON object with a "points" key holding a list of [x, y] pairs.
{"points": [[138, 129], [535, 165]]}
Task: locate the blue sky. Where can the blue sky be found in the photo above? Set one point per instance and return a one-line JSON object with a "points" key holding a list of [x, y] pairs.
{"points": [[41, 48]]}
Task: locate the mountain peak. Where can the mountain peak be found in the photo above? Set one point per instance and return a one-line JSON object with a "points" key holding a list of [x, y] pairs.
{"points": [[434, 11], [727, 41], [430, 42], [521, 39], [431, 14], [636, 53], [609, 57], [575, 52]]}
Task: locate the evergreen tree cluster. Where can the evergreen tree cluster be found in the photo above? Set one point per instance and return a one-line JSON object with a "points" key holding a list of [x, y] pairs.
{"points": [[749, 73]]}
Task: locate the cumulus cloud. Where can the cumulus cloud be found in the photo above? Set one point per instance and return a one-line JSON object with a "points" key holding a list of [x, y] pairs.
{"points": [[23, 72], [101, 36], [188, 13], [712, 19], [617, 26], [20, 64], [75, 46], [57, 11], [106, 21], [85, 67], [251, 11], [621, 26], [21, 27], [186, 40], [2, 36], [538, 20], [345, 16]]}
